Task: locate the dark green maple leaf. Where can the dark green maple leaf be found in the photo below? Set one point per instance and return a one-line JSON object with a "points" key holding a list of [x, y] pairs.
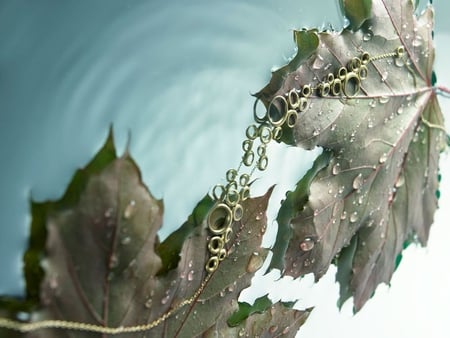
{"points": [[95, 261], [375, 184]]}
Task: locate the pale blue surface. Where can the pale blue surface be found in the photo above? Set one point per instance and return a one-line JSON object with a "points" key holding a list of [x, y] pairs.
{"points": [[177, 74]]}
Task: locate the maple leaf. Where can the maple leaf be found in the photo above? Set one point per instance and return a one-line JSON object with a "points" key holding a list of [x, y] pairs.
{"points": [[103, 271], [375, 184]]}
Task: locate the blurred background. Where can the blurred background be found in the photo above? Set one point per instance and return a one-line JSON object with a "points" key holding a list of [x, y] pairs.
{"points": [[178, 76]]}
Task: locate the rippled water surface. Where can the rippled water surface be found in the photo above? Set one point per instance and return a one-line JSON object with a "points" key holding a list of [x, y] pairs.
{"points": [[177, 75]]}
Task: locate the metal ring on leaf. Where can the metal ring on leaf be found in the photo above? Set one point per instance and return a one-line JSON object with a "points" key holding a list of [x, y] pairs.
{"points": [[400, 51], [231, 175], [351, 85], [265, 134], [216, 244], [306, 90], [220, 218], [252, 132], [354, 64], [218, 192], [247, 145], [212, 264], [258, 118], [363, 71], [222, 254], [238, 212], [276, 112], [232, 197], [261, 151], [330, 78], [323, 89], [263, 161], [277, 132], [336, 87], [292, 118], [248, 158], [303, 104], [244, 179], [365, 58], [342, 72], [245, 193], [293, 98], [227, 235]]}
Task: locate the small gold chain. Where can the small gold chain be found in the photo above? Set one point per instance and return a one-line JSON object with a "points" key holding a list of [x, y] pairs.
{"points": [[282, 112]]}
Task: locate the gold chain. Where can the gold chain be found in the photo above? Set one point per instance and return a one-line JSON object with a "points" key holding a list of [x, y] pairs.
{"points": [[282, 111]]}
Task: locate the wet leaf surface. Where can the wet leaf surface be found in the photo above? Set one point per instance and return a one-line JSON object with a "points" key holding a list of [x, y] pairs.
{"points": [[379, 186], [99, 262]]}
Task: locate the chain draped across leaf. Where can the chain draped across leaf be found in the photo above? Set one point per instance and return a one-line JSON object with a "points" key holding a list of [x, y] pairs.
{"points": [[105, 272], [382, 133]]}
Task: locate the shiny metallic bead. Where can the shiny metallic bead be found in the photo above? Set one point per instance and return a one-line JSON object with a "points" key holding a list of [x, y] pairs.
{"points": [[219, 218]]}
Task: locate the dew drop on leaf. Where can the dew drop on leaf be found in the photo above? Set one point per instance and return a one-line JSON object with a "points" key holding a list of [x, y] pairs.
{"points": [[358, 182], [354, 217], [344, 215], [254, 263], [273, 329], [307, 244], [384, 99], [148, 303], [165, 299], [129, 209], [125, 241], [383, 158], [190, 275], [400, 110], [336, 169], [400, 181]]}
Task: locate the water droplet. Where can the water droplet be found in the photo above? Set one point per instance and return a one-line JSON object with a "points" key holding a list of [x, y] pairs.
{"points": [[372, 103], [165, 299], [108, 212], [273, 329], [307, 244], [113, 261], [316, 212], [148, 303], [367, 36], [316, 132], [286, 330], [333, 127], [400, 181], [190, 275], [399, 62], [417, 42], [129, 209], [125, 241], [254, 263], [336, 169], [259, 216], [384, 99], [318, 62], [358, 181], [383, 158], [344, 215], [341, 189], [382, 235], [190, 264], [354, 217], [400, 110], [241, 332], [384, 76]]}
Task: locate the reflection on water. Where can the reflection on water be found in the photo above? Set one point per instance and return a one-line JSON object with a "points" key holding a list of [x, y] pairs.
{"points": [[177, 75]]}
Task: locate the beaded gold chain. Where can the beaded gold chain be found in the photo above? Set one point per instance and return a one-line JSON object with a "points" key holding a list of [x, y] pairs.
{"points": [[282, 111]]}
